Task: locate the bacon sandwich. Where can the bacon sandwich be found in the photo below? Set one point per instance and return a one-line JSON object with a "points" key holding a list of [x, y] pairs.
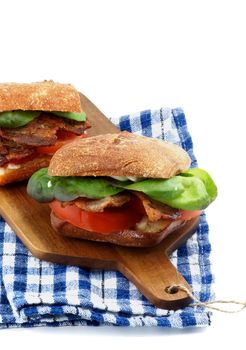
{"points": [[35, 121], [121, 188]]}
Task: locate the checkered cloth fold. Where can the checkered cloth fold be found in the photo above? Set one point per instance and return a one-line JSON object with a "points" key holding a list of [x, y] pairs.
{"points": [[39, 293]]}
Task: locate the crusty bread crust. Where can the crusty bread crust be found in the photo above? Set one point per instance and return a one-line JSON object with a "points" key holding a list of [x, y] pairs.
{"points": [[123, 154], [129, 238], [25, 170], [40, 96]]}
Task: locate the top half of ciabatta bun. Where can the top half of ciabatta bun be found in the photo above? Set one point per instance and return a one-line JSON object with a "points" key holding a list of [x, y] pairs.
{"points": [[40, 96], [123, 154]]}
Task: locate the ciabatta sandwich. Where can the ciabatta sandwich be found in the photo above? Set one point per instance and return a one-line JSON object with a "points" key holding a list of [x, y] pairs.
{"points": [[121, 188], [35, 120]]}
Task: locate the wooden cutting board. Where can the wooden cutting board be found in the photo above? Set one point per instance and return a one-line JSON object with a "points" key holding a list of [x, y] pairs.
{"points": [[148, 268]]}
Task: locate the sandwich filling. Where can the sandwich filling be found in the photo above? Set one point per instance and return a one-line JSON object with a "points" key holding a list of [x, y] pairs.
{"points": [[24, 135], [105, 204]]}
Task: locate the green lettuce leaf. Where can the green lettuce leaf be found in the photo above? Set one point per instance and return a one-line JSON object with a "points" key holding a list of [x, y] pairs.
{"points": [[41, 186], [205, 178], [16, 119], [45, 188], [79, 117], [191, 190]]}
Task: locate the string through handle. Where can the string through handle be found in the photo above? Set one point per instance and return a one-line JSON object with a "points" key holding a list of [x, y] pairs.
{"points": [[208, 304]]}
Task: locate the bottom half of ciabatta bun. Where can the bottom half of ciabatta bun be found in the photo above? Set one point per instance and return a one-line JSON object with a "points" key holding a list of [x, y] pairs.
{"points": [[24, 170], [128, 237]]}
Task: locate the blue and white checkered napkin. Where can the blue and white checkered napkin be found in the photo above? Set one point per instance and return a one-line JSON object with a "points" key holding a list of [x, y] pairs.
{"points": [[39, 293]]}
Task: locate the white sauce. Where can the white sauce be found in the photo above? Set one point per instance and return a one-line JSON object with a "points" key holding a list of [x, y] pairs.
{"points": [[125, 178], [49, 184], [12, 166], [2, 171]]}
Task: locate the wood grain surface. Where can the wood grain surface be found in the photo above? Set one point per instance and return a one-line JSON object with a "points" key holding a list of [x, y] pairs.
{"points": [[148, 268]]}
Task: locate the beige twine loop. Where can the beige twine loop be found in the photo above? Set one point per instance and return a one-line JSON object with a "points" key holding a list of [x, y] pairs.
{"points": [[208, 304]]}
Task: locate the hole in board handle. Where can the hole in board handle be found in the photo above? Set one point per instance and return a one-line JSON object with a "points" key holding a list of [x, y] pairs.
{"points": [[171, 289]]}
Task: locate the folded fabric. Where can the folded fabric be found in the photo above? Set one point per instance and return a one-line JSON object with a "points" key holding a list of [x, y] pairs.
{"points": [[39, 293]]}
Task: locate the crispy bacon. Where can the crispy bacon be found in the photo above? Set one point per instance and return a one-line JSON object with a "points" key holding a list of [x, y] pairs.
{"points": [[156, 210], [19, 143], [10, 150], [158, 216], [98, 205], [42, 131]]}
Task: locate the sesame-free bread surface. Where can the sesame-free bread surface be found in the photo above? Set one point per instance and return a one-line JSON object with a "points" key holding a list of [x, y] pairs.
{"points": [[123, 154], [40, 96]]}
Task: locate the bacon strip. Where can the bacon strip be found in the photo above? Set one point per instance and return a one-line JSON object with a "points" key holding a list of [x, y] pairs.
{"points": [[156, 210], [98, 205], [10, 150], [42, 131], [19, 143]]}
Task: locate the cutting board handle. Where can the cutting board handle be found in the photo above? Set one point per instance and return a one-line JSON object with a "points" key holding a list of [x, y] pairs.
{"points": [[152, 272]]}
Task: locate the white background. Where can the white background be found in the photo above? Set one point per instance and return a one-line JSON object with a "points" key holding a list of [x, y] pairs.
{"points": [[127, 56]]}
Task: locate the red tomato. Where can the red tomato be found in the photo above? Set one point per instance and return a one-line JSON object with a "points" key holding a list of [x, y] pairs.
{"points": [[64, 138], [110, 220], [188, 214]]}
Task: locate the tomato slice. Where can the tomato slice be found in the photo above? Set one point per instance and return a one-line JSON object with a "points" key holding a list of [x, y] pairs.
{"points": [[188, 214], [110, 220], [63, 138]]}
